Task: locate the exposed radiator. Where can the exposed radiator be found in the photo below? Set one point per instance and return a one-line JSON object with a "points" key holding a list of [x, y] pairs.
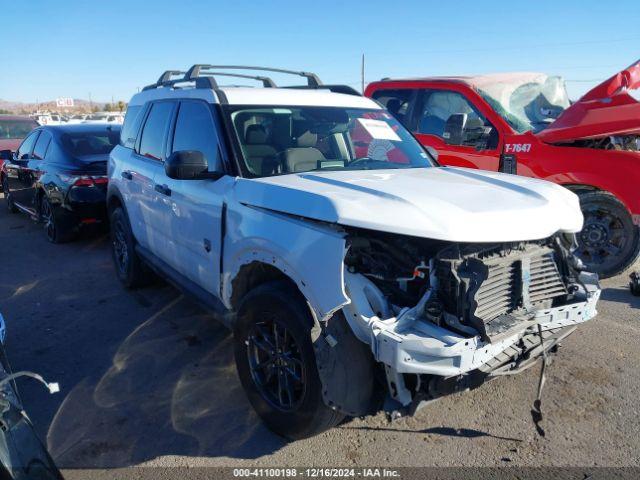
{"points": [[489, 289]]}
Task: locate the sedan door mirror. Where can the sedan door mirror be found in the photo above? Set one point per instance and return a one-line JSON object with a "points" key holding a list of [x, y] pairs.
{"points": [[6, 155], [454, 129], [189, 165]]}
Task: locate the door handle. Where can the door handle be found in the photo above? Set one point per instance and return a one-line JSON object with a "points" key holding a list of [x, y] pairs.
{"points": [[163, 189], [127, 175]]}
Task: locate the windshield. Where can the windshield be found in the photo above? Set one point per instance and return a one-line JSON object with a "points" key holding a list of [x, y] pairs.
{"points": [[529, 103], [276, 140], [16, 128], [90, 143]]}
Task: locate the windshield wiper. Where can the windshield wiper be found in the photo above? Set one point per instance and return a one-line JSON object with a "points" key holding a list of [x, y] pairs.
{"points": [[369, 163]]}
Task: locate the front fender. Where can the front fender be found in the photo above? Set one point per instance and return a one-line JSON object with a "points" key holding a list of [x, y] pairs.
{"points": [[310, 253]]}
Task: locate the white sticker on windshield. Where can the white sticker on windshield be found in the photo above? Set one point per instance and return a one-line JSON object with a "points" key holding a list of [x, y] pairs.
{"points": [[379, 130]]}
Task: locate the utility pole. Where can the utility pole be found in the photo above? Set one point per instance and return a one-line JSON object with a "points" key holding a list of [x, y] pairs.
{"points": [[362, 73], [90, 103]]}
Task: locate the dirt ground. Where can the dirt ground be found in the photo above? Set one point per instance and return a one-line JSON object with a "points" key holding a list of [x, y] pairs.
{"points": [[148, 379]]}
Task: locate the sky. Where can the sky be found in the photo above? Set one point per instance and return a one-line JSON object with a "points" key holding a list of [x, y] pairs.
{"points": [[110, 48]]}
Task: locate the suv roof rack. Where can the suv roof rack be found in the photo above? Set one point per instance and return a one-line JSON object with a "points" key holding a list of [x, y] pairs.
{"points": [[199, 69], [203, 75]]}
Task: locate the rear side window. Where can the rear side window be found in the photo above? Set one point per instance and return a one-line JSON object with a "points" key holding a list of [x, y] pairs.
{"points": [[195, 130], [27, 146], [155, 129], [131, 126], [89, 143], [42, 145], [396, 101]]}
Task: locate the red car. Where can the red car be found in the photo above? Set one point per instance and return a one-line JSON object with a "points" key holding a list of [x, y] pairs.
{"points": [[524, 123], [13, 129]]}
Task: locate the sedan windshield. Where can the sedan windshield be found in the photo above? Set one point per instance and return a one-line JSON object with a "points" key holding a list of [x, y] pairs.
{"points": [[16, 128], [277, 140]]}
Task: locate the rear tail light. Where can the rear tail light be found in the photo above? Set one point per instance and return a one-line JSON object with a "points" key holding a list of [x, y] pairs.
{"points": [[84, 180]]}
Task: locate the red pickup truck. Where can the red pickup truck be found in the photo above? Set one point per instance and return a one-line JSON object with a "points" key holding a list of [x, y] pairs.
{"points": [[524, 123]]}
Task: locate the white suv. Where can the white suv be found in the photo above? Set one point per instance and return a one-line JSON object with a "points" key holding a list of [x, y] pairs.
{"points": [[354, 271]]}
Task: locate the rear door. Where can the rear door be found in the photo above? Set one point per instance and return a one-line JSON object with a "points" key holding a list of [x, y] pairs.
{"points": [[19, 174], [479, 147], [145, 163], [192, 209]]}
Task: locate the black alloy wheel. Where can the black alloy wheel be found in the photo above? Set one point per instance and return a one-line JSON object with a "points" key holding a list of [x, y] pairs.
{"points": [[48, 220], [276, 361], [276, 365], [609, 242], [131, 271]]}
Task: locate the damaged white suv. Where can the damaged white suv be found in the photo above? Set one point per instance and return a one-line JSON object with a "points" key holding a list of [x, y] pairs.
{"points": [[354, 271]]}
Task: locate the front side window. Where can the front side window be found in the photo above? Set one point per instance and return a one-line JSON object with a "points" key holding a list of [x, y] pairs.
{"points": [[282, 140], [438, 106], [13, 129], [155, 130], [396, 101], [195, 130], [89, 143], [40, 149], [25, 149]]}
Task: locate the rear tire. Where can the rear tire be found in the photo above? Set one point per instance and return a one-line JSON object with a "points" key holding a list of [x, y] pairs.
{"points": [[129, 266], [57, 228], [8, 197], [276, 362], [609, 242]]}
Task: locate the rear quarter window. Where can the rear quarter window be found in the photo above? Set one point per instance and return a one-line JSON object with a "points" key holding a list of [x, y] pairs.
{"points": [[42, 145], [131, 127]]}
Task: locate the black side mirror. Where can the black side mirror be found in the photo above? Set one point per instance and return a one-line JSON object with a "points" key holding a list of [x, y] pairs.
{"points": [[454, 129], [188, 165], [6, 155]]}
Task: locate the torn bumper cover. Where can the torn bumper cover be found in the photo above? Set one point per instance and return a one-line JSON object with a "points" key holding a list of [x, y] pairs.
{"points": [[408, 343]]}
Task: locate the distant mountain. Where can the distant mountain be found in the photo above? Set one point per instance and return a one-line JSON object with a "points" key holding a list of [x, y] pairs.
{"points": [[80, 106]]}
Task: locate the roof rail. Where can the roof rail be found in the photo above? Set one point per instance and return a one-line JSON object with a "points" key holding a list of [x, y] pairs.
{"points": [[266, 81], [199, 69], [346, 89], [203, 77], [165, 79]]}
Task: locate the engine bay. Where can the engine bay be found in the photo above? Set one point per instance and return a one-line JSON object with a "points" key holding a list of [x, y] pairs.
{"points": [[471, 289]]}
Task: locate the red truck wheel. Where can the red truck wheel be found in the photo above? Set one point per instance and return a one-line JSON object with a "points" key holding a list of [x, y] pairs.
{"points": [[609, 242]]}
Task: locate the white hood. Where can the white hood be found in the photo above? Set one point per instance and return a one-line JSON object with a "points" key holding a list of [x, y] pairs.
{"points": [[454, 204]]}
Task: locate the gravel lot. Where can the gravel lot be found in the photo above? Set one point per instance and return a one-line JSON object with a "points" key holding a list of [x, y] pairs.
{"points": [[148, 379]]}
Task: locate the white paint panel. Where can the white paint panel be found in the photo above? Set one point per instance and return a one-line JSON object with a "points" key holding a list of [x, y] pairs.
{"points": [[450, 204]]}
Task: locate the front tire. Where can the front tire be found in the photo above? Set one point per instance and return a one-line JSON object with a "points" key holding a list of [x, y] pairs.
{"points": [[11, 206], [129, 266], [276, 362], [609, 242]]}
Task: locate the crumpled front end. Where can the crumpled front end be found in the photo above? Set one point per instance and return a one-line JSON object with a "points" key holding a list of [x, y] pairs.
{"points": [[444, 317]]}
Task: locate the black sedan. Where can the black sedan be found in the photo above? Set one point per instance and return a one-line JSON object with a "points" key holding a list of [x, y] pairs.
{"points": [[58, 176]]}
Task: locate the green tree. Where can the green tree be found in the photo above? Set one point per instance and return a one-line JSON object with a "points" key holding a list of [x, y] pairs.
{"points": [[121, 106]]}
